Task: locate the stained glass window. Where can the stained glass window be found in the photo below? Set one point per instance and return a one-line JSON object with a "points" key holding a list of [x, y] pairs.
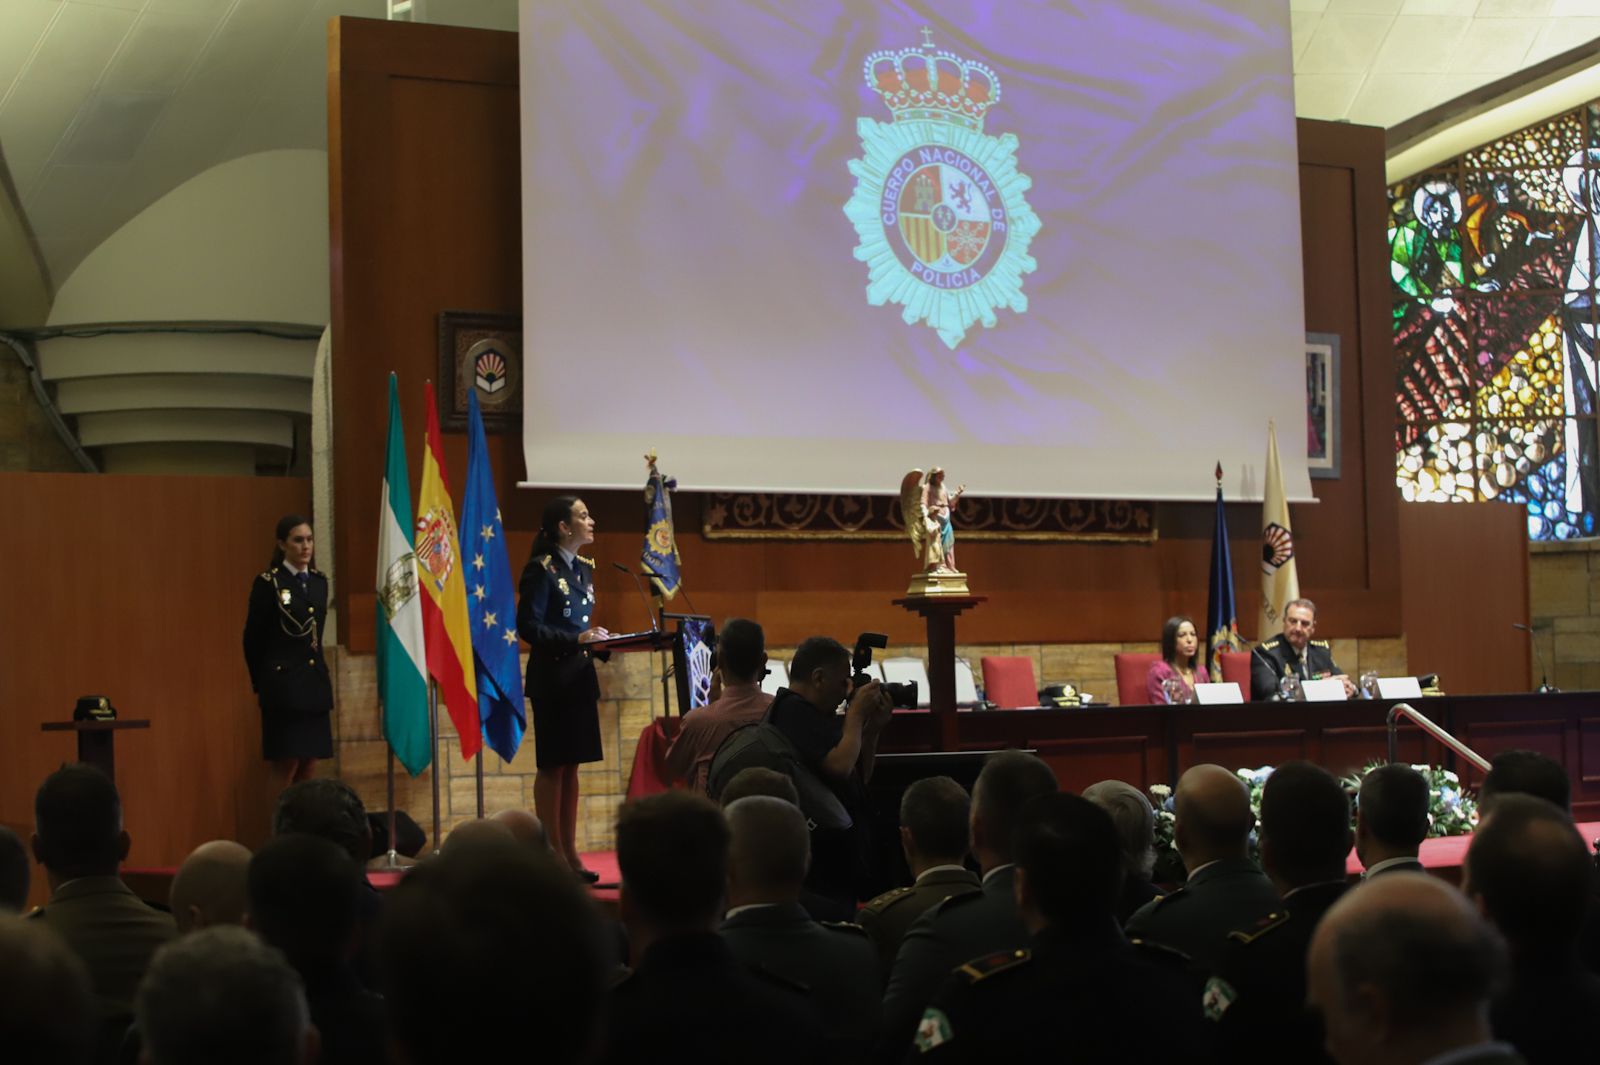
{"points": [[1492, 263]]}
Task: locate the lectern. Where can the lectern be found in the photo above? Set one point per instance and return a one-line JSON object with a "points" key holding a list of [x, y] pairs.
{"points": [[96, 740], [940, 612]]}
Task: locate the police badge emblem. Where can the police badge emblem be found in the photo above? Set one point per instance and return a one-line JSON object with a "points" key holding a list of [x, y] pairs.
{"points": [[938, 204]]}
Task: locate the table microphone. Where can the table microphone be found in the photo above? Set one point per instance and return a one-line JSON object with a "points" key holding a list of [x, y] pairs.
{"points": [[1545, 686], [637, 583]]}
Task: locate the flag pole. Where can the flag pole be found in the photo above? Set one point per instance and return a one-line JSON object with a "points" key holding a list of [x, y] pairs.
{"points": [[433, 729], [392, 859], [478, 763]]}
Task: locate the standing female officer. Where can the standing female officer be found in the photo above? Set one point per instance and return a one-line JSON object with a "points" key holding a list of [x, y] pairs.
{"points": [[283, 649], [555, 600]]}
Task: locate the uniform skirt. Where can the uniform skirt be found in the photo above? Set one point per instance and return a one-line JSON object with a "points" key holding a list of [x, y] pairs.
{"points": [[565, 696]]}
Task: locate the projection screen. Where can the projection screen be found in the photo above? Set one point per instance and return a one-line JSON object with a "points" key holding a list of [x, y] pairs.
{"points": [[805, 247]]}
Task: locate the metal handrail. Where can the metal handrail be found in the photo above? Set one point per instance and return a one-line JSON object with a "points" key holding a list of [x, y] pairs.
{"points": [[1406, 710]]}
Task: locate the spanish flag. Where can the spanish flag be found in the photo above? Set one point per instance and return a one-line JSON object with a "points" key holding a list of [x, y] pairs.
{"points": [[445, 627]]}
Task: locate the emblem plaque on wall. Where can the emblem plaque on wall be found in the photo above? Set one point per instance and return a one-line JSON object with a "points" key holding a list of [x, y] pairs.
{"points": [[481, 351]]}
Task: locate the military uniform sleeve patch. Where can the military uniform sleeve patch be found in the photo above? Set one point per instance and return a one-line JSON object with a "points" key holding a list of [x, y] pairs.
{"points": [[992, 964], [1263, 926], [933, 1030], [1218, 996]]}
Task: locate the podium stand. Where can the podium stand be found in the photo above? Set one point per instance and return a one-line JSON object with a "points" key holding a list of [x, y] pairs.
{"points": [[96, 740], [940, 612]]}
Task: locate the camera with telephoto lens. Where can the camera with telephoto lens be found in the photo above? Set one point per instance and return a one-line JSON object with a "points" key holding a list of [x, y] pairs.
{"points": [[902, 696]]}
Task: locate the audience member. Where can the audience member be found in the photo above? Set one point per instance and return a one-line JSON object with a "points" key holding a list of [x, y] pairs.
{"points": [[768, 929], [1524, 773], [525, 828], [934, 837], [1079, 992], [689, 998], [838, 750], [221, 995], [488, 945], [1224, 889], [1135, 818], [758, 780], [977, 923], [1391, 820], [1530, 872], [1258, 995], [305, 900], [80, 841], [47, 1012], [328, 808], [476, 830], [16, 874], [1401, 971], [741, 663], [209, 888]]}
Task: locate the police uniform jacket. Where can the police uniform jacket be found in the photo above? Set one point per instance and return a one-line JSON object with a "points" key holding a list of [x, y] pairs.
{"points": [[888, 917], [1257, 998], [112, 930], [1315, 664], [555, 600], [1081, 994], [283, 642], [1197, 917], [835, 963]]}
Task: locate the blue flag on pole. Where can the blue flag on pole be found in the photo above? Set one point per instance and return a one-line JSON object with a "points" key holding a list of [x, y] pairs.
{"points": [[1222, 618], [659, 559], [491, 598]]}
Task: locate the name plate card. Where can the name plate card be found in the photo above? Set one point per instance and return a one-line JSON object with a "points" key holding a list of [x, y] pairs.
{"points": [[1330, 690], [1225, 693], [1399, 688]]}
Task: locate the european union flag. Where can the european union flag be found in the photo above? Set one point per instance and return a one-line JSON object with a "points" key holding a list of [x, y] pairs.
{"points": [[1222, 619], [660, 555], [491, 598]]}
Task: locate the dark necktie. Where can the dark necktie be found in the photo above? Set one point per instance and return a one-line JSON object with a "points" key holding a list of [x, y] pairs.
{"points": [[305, 583]]}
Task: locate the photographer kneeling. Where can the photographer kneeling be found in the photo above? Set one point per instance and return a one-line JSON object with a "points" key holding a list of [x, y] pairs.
{"points": [[839, 750]]}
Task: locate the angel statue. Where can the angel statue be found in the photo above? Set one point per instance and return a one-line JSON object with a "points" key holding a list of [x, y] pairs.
{"points": [[926, 506]]}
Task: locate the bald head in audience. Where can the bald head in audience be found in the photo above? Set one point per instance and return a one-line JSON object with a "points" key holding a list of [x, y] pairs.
{"points": [[525, 828], [1402, 970], [47, 1011], [210, 886], [1212, 818], [758, 780], [474, 832], [769, 853]]}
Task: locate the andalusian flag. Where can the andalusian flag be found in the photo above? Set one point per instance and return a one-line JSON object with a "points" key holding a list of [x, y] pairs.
{"points": [[1280, 584], [402, 661], [444, 593]]}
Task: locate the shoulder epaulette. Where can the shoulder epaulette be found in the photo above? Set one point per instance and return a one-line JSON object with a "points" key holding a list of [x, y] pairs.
{"points": [[950, 902], [1273, 920], [546, 563], [1322, 644], [888, 898], [264, 575], [1271, 645], [315, 572], [844, 926], [990, 964], [1169, 896], [586, 561], [37, 911]]}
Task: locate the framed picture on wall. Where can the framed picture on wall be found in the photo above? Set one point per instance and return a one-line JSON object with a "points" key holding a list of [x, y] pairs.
{"points": [[1322, 404], [480, 352]]}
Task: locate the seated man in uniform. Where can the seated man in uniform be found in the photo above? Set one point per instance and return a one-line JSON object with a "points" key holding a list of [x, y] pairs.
{"points": [[209, 888], [1294, 653], [741, 663]]}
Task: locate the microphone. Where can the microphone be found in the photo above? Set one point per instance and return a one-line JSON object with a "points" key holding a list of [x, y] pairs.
{"points": [[687, 601], [637, 583], [1545, 686]]}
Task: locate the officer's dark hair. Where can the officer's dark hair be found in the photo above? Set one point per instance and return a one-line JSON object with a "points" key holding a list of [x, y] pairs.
{"points": [[817, 652], [77, 814], [286, 525], [759, 780], [741, 648], [305, 897], [1169, 641], [15, 871], [1007, 781], [1532, 871], [1393, 803], [1524, 773], [1305, 824], [47, 1007], [936, 811], [548, 538], [672, 849], [327, 808], [471, 919], [1071, 854]]}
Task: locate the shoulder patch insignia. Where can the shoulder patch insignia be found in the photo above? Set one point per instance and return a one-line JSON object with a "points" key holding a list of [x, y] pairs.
{"points": [[849, 927], [586, 561], [1217, 997], [999, 962], [1272, 920], [1271, 645], [933, 1030], [887, 899], [1322, 644], [265, 575]]}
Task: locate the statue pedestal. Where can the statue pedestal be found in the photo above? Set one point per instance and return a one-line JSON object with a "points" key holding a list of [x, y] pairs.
{"points": [[944, 583], [940, 612]]}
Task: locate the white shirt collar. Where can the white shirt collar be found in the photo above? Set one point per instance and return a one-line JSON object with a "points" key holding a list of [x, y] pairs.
{"points": [[1388, 863], [748, 906], [939, 868], [290, 567], [567, 556], [996, 869]]}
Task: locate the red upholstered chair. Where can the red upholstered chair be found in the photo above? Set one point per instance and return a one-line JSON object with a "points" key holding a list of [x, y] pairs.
{"points": [[1131, 671], [1008, 682], [1236, 667]]}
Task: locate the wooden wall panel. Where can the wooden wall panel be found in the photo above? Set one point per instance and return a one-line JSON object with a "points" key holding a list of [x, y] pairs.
{"points": [[424, 213], [135, 588]]}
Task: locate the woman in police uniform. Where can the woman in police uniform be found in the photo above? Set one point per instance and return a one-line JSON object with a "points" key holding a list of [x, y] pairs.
{"points": [[555, 602], [283, 650]]}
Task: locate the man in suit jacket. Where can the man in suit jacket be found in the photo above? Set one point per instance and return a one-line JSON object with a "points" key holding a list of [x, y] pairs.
{"points": [[935, 839], [1401, 970], [79, 839], [768, 929], [1294, 653], [1391, 820], [1225, 890]]}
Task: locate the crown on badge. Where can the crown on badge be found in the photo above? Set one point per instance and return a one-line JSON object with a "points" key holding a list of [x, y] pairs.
{"points": [[923, 84]]}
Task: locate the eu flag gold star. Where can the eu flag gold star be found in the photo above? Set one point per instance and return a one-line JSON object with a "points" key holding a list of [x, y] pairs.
{"points": [[489, 620], [479, 593], [510, 636], [477, 561], [488, 532]]}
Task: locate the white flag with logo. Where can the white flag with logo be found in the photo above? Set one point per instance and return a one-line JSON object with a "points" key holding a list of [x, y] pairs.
{"points": [[1280, 584]]}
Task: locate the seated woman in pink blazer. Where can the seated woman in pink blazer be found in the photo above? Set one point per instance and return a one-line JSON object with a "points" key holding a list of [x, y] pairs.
{"points": [[1180, 658]]}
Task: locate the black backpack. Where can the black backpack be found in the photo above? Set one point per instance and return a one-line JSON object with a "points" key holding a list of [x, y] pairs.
{"points": [[762, 744]]}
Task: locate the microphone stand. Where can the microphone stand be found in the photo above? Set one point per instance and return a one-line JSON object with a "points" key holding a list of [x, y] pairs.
{"points": [[638, 584], [687, 601], [1545, 687]]}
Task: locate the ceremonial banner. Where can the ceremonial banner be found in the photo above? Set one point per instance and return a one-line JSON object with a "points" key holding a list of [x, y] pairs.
{"points": [[1222, 617], [444, 599], [492, 603], [1280, 583], [402, 659], [659, 559]]}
